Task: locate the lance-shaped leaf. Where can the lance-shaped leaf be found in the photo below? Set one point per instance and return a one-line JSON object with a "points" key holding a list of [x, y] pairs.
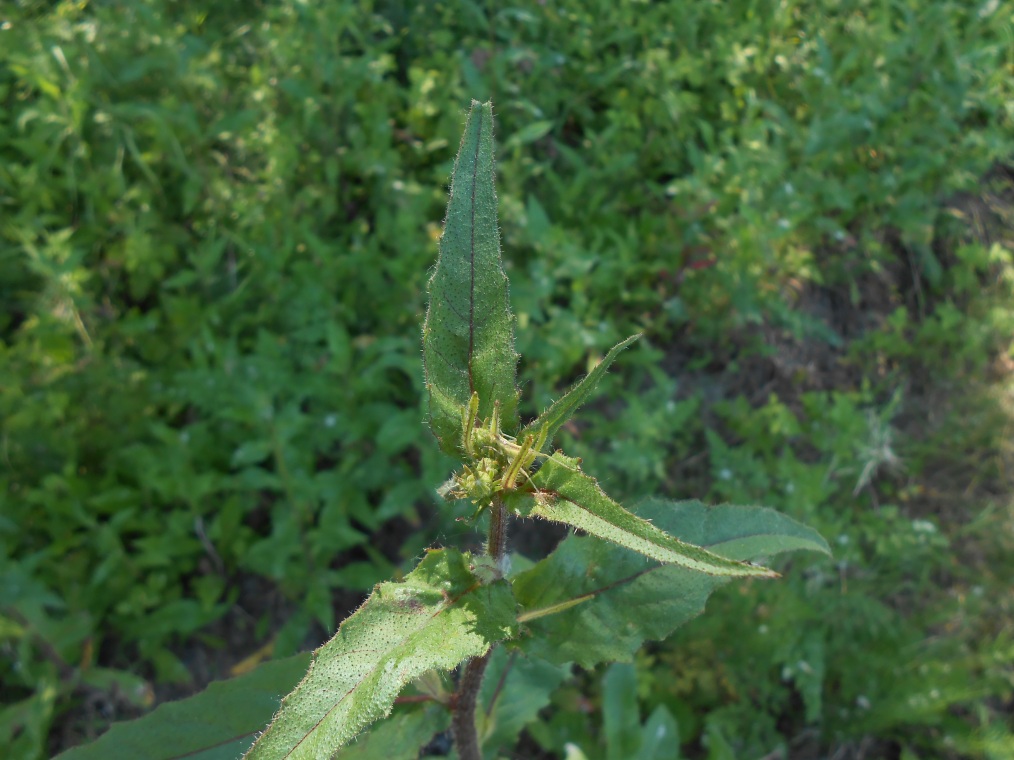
{"points": [[565, 494], [439, 616], [592, 602], [468, 338], [220, 723], [544, 429]]}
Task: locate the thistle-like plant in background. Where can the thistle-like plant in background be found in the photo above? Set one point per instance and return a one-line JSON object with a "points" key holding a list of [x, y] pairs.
{"points": [[596, 598]]}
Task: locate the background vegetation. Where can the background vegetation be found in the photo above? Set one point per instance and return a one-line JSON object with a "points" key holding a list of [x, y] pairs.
{"points": [[216, 222]]}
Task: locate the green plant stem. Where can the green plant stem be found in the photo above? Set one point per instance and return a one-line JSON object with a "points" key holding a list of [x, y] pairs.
{"points": [[463, 723]]}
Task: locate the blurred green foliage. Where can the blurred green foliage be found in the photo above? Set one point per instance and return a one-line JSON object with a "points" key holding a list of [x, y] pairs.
{"points": [[215, 227]]}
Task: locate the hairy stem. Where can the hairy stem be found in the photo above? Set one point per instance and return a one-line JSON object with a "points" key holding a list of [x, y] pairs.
{"points": [[463, 723], [496, 544]]}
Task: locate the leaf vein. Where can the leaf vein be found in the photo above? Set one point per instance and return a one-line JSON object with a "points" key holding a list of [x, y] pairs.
{"points": [[471, 260]]}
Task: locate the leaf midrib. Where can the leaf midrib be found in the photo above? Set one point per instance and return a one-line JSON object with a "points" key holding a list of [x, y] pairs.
{"points": [[447, 605], [759, 569], [471, 257]]}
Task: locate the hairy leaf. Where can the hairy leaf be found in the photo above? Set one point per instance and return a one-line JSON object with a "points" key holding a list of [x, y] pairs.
{"points": [[437, 617], [544, 429], [220, 723], [468, 337], [565, 494], [611, 600]]}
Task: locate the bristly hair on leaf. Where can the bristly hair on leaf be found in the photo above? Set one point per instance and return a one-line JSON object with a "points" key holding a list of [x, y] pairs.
{"points": [[468, 336]]}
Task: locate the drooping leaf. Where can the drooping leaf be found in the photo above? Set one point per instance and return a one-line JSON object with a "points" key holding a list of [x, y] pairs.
{"points": [[565, 494], [220, 723], [551, 420], [437, 617], [468, 337], [612, 600], [739, 532]]}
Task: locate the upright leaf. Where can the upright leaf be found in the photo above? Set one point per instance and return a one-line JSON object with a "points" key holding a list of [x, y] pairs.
{"points": [[514, 690], [621, 718], [544, 429], [610, 600], [437, 617], [660, 736], [564, 494], [468, 337]]}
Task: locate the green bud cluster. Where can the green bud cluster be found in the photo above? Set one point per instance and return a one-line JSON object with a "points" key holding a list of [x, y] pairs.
{"points": [[495, 461], [478, 483]]}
